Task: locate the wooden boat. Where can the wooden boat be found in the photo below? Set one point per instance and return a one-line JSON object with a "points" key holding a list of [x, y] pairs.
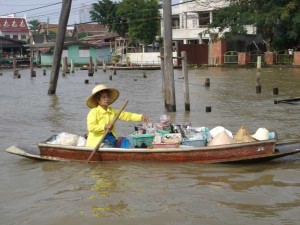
{"points": [[245, 152]]}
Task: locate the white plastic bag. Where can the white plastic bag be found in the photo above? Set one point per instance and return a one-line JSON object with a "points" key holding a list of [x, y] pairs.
{"points": [[81, 141], [66, 139]]}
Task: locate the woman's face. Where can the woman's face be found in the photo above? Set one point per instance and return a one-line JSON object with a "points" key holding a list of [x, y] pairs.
{"points": [[104, 99]]}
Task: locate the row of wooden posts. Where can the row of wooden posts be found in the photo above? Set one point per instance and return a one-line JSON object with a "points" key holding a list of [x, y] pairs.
{"points": [[184, 64]]}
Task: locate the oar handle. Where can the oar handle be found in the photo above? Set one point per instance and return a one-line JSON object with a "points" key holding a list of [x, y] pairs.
{"points": [[106, 132]]}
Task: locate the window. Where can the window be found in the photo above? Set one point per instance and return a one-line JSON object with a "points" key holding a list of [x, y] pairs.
{"points": [[84, 52], [23, 37], [204, 18], [7, 36], [15, 37]]}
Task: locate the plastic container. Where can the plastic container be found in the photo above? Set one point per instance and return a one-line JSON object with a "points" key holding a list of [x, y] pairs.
{"points": [[142, 140], [196, 143]]}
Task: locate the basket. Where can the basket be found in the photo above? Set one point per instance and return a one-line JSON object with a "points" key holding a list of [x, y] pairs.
{"points": [[142, 140]]}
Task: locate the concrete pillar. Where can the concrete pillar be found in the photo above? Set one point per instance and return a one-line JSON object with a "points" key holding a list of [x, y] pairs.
{"points": [[243, 58], [269, 58], [297, 58]]}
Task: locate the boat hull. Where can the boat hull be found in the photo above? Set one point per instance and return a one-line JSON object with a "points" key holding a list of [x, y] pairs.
{"points": [[211, 154]]}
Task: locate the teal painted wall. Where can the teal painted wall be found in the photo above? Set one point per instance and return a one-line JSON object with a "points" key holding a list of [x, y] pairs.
{"points": [[101, 54]]}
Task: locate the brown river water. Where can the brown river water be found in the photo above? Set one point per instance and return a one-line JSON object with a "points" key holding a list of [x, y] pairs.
{"points": [[35, 192]]}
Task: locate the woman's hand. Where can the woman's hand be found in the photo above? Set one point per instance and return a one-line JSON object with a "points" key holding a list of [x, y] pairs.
{"points": [[109, 127], [145, 118]]}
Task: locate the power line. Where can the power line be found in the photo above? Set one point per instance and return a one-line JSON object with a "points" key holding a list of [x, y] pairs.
{"points": [[35, 8]]}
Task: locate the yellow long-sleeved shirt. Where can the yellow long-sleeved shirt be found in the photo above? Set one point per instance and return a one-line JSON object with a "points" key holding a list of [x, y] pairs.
{"points": [[98, 117]]}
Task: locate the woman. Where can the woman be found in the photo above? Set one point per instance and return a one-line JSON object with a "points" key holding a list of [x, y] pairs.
{"points": [[101, 116]]}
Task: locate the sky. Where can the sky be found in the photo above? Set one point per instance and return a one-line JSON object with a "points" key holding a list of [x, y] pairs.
{"points": [[48, 10], [44, 10]]}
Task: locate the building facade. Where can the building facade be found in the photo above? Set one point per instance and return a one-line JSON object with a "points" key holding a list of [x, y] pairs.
{"points": [[14, 28]]}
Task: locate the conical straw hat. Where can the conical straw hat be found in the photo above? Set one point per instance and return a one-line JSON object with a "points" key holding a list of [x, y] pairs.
{"points": [[92, 101], [243, 135], [222, 139]]}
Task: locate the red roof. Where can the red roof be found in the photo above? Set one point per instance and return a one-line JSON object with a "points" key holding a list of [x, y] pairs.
{"points": [[9, 24], [94, 29]]}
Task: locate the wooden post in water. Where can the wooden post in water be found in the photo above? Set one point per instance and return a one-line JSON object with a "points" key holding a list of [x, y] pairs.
{"points": [[162, 68], [72, 66], [104, 67], [32, 72], [90, 70], [95, 66], [66, 65], [168, 57], [258, 86], [44, 72], [186, 81], [59, 43], [16, 72], [207, 82], [275, 91]]}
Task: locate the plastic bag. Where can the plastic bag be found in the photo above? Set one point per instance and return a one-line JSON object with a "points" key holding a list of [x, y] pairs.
{"points": [[66, 139], [81, 141]]}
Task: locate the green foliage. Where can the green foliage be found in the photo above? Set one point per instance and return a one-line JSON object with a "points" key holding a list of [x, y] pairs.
{"points": [[278, 21], [139, 18], [104, 12], [116, 58], [142, 17], [33, 25]]}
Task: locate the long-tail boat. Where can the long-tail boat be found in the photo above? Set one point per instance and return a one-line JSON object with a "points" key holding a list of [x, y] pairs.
{"points": [[243, 152]]}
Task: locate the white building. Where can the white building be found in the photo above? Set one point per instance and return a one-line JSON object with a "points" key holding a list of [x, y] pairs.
{"points": [[190, 20]]}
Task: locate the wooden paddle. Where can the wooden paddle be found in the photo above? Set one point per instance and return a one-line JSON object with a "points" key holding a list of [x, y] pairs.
{"points": [[106, 132]]}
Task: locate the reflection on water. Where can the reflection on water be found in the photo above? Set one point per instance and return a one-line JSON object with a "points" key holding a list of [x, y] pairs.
{"points": [[149, 193]]}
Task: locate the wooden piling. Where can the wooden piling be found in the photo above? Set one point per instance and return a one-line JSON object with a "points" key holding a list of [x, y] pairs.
{"points": [[186, 81], [16, 72], [95, 66], [275, 91], [115, 71], [44, 72], [207, 82], [162, 73], [32, 72], [208, 109], [168, 57], [90, 70], [67, 71], [86, 81], [104, 67], [258, 89], [72, 66]]}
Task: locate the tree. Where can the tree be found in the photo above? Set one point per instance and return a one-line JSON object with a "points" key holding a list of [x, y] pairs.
{"points": [[33, 25], [278, 21], [143, 20], [104, 12]]}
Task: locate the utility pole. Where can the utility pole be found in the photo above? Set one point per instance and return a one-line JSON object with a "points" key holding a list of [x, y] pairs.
{"points": [[168, 57], [59, 44]]}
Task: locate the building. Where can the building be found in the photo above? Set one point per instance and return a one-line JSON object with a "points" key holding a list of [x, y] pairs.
{"points": [[190, 26], [14, 28]]}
